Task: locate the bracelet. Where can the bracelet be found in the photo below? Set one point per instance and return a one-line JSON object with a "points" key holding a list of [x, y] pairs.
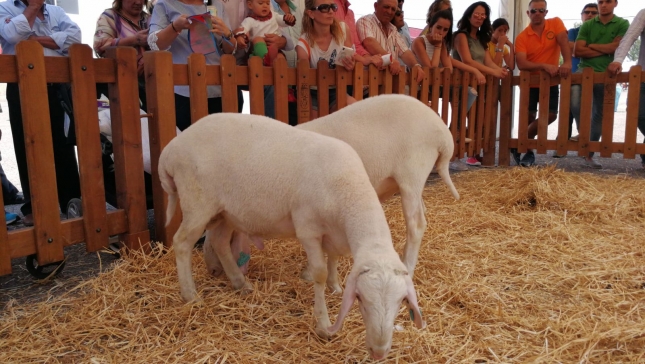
{"points": [[418, 65], [499, 50], [172, 24]]}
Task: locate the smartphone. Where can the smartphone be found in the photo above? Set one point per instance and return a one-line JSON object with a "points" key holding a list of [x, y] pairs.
{"points": [[345, 52]]}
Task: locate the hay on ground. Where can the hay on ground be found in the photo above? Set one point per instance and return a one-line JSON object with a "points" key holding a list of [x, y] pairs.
{"points": [[531, 265]]}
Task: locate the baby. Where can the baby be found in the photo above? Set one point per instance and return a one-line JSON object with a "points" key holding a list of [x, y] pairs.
{"points": [[262, 21]]}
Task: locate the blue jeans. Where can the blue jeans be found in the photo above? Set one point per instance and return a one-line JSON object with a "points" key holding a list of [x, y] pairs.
{"points": [[596, 114]]}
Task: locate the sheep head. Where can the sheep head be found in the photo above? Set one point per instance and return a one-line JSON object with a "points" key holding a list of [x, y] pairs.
{"points": [[380, 289]]}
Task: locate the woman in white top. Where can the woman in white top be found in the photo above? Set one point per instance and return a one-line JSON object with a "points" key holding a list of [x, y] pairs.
{"points": [[323, 38]]}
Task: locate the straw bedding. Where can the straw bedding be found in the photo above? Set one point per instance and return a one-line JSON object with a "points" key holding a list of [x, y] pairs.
{"points": [[531, 265]]}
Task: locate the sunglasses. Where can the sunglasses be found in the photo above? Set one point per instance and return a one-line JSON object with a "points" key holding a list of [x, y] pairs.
{"points": [[590, 12], [542, 11], [325, 8], [398, 13]]}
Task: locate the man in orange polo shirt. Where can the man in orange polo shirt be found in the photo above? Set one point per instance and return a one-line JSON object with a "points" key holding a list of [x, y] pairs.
{"points": [[538, 47]]}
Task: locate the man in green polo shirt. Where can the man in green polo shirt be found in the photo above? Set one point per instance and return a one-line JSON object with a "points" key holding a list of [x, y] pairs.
{"points": [[595, 46]]}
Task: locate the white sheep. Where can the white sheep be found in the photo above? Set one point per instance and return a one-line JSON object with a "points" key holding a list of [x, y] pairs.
{"points": [[399, 139], [265, 179]]}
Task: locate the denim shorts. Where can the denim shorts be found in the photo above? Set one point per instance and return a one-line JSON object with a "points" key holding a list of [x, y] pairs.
{"points": [[554, 96]]}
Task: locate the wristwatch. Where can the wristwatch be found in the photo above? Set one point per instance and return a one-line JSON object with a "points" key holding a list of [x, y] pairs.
{"points": [[498, 50]]}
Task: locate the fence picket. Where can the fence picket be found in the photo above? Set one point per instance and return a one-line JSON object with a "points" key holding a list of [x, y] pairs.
{"points": [[543, 112], [631, 121], [523, 122], [281, 89], [585, 111], [563, 118], [608, 116], [198, 89], [256, 85]]}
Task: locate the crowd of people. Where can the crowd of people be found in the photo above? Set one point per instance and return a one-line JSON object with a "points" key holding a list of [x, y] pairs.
{"points": [[316, 30]]}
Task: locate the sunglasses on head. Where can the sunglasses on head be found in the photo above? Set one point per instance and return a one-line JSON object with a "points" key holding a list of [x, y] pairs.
{"points": [[542, 11], [325, 8], [590, 12]]}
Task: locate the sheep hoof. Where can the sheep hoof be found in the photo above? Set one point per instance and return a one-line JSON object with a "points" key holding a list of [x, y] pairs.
{"points": [[335, 288], [322, 332], [246, 289]]}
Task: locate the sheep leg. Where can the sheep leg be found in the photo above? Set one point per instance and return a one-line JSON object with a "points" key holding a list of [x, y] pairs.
{"points": [[316, 259], [213, 265], [222, 234], [183, 242], [415, 221], [332, 274], [306, 274]]}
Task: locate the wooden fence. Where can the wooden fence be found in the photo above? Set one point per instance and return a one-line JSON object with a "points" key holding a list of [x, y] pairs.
{"points": [[474, 133]]}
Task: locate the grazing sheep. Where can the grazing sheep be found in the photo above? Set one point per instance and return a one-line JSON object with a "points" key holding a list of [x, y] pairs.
{"points": [[399, 139], [265, 179]]}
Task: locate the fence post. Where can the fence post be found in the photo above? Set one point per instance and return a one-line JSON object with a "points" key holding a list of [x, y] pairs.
{"points": [[229, 85], [585, 111], [373, 81], [89, 147], [609, 100], [505, 124], [436, 83], [633, 100], [445, 97], [342, 75], [30, 62], [126, 138], [304, 95], [281, 92], [256, 85], [543, 118], [323, 88], [563, 119], [198, 89], [490, 121], [162, 128], [358, 83]]}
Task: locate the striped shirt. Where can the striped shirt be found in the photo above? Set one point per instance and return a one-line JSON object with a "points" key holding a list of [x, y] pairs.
{"points": [[637, 26], [370, 27]]}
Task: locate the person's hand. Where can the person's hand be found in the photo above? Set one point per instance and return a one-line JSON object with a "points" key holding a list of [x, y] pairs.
{"points": [[395, 67], [615, 68], [617, 39], [565, 70], [501, 73], [502, 41], [451, 69], [349, 62], [241, 40], [436, 40], [142, 37], [181, 22], [481, 79], [277, 41], [551, 69], [289, 19], [376, 61], [420, 74], [220, 28]]}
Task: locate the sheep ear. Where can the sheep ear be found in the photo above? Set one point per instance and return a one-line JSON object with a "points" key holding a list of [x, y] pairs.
{"points": [[413, 305], [349, 296]]}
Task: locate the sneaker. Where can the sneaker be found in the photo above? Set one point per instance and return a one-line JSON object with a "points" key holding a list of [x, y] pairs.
{"points": [[516, 156], [528, 159], [458, 166], [591, 163], [574, 138], [10, 218], [472, 161]]}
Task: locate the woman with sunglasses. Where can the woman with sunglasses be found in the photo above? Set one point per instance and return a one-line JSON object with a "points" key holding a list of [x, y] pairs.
{"points": [[474, 31], [169, 27], [323, 38]]}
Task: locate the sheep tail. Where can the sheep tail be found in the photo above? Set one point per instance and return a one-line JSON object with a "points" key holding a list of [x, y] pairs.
{"points": [[168, 185], [443, 168]]}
